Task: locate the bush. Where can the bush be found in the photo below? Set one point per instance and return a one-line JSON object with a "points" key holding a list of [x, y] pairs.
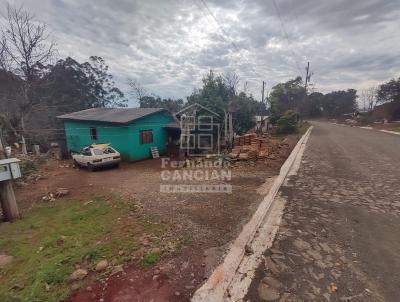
{"points": [[287, 123]]}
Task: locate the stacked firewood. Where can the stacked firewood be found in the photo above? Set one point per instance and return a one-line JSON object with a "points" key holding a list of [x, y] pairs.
{"points": [[252, 147]]}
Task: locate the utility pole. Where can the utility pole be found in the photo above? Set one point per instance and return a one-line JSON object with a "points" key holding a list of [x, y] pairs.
{"points": [[23, 142], [263, 89], [230, 128], [308, 76], [262, 101], [226, 128], [7, 196]]}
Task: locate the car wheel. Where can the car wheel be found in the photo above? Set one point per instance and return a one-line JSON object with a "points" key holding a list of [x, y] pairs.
{"points": [[116, 165], [90, 167], [76, 164]]}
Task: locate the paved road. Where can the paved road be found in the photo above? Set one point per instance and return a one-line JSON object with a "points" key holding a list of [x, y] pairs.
{"points": [[340, 237]]}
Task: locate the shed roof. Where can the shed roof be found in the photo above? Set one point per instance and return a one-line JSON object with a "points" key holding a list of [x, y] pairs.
{"points": [[111, 115]]}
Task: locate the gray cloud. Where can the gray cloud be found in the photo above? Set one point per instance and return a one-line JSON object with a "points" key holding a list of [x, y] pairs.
{"points": [[169, 45]]}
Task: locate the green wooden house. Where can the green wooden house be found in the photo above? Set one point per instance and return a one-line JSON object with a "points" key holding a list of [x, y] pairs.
{"points": [[131, 131]]}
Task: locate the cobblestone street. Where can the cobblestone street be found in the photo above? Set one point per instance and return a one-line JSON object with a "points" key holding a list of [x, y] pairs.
{"points": [[340, 234]]}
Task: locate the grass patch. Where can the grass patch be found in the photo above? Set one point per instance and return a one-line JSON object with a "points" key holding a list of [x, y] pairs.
{"points": [[149, 259], [51, 240]]}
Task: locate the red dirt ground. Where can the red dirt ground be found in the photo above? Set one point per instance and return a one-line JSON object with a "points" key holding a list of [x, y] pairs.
{"points": [[208, 222]]}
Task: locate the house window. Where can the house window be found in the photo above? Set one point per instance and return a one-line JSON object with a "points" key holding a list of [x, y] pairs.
{"points": [[146, 137], [93, 133]]}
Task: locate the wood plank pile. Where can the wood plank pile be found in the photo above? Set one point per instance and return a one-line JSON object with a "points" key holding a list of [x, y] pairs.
{"points": [[252, 147]]}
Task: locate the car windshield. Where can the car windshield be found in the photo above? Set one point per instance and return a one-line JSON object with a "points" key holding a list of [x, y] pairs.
{"points": [[97, 151], [107, 150]]}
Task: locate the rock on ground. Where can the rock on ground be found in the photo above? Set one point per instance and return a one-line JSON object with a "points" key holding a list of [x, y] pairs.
{"points": [[101, 265], [5, 259], [267, 293], [117, 269], [79, 274]]}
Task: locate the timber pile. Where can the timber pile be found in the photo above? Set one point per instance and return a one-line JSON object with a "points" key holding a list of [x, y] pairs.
{"points": [[252, 147]]}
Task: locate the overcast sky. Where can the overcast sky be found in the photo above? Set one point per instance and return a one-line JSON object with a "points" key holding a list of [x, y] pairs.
{"points": [[168, 45]]}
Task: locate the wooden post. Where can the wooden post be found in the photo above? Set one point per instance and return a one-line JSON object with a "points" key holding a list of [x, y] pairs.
{"points": [[8, 201], [23, 142], [230, 130], [7, 196], [226, 129]]}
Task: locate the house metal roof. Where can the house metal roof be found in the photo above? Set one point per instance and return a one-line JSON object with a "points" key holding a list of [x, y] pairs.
{"points": [[111, 115], [172, 126]]}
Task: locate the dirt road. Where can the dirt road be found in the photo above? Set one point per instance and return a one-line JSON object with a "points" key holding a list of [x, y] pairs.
{"points": [[340, 236]]}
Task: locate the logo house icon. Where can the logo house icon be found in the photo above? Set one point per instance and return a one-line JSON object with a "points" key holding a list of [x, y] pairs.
{"points": [[200, 131]]}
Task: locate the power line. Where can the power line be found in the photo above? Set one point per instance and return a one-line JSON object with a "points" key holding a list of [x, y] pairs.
{"points": [[219, 25], [296, 16], [225, 36], [286, 34]]}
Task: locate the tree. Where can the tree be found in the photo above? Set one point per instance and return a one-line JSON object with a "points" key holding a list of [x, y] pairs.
{"points": [[153, 101], [286, 96], [389, 91], [69, 86], [338, 103], [102, 87], [157, 102], [73, 86], [10, 95], [25, 47], [214, 94], [368, 98], [4, 59], [137, 90], [244, 108], [313, 106], [64, 87], [287, 123], [232, 81], [220, 94]]}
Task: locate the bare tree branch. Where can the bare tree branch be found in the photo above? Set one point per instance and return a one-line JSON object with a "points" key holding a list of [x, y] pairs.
{"points": [[231, 80], [24, 48], [368, 97], [4, 58], [27, 42], [137, 89]]}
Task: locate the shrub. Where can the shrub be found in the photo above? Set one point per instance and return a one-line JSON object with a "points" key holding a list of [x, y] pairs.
{"points": [[287, 123]]}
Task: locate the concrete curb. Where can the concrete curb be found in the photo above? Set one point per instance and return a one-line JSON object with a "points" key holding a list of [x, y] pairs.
{"points": [[217, 284], [373, 129], [391, 132]]}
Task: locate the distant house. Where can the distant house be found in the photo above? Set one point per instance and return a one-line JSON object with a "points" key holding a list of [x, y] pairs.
{"points": [[132, 131]]}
